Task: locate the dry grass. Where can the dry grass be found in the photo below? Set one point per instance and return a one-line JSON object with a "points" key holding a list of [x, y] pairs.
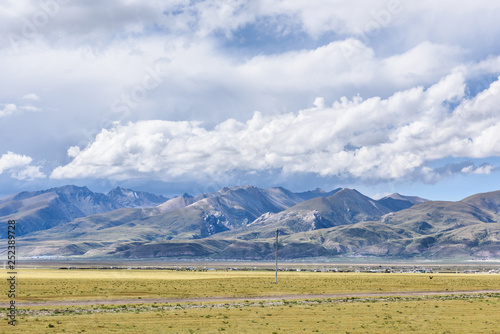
{"points": [[393, 315], [57, 285], [437, 314]]}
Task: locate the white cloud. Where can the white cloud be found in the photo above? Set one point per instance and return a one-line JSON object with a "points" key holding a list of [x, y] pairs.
{"points": [[433, 175], [19, 166], [73, 151], [416, 21], [29, 108], [401, 67], [484, 169], [200, 81], [29, 173], [378, 139], [10, 109], [7, 109], [11, 160], [31, 96]]}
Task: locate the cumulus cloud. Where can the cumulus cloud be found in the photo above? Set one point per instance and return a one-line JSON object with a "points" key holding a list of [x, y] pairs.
{"points": [[394, 85], [86, 49], [433, 175], [377, 139], [8, 109], [19, 166], [29, 173], [348, 63], [11, 160], [417, 20], [73, 151], [31, 96], [484, 169]]}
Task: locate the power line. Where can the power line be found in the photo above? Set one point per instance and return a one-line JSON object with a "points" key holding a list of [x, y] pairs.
{"points": [[276, 280]]}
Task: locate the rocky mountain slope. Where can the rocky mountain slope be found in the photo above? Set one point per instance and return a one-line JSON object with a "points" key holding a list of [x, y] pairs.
{"points": [[128, 198], [346, 206], [41, 210], [180, 218], [241, 222]]}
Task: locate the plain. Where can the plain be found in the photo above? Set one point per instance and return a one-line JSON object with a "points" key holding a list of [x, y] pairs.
{"points": [[93, 300]]}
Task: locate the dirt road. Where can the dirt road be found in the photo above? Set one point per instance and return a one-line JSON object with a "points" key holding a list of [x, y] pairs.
{"points": [[259, 298]]}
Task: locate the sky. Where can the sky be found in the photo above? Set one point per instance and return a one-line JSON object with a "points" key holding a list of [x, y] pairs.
{"points": [[193, 95]]}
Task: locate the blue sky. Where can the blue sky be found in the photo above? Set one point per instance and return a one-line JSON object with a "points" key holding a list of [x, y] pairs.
{"points": [[190, 96]]}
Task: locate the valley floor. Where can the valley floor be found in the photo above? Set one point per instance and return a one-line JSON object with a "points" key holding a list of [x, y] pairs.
{"points": [[161, 301]]}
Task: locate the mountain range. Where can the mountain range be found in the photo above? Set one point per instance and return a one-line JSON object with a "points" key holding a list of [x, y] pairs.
{"points": [[241, 223], [40, 210]]}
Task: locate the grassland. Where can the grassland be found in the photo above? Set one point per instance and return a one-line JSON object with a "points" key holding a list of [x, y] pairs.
{"points": [[479, 313], [64, 285]]}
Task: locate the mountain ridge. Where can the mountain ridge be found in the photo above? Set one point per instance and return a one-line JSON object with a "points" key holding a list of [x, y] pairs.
{"points": [[48, 208], [240, 222]]}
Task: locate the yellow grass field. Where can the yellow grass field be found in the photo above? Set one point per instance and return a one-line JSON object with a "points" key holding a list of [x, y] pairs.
{"points": [[376, 316], [476, 313], [60, 285]]}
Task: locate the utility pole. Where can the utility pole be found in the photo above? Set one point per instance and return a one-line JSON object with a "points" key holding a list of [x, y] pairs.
{"points": [[276, 281]]}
